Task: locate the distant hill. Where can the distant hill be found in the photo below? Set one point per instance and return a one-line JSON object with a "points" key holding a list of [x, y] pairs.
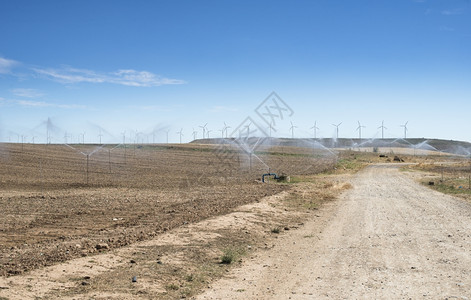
{"points": [[449, 146]]}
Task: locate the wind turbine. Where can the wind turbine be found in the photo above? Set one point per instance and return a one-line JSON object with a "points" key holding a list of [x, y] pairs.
{"points": [[208, 131], [100, 135], [248, 129], [225, 129], [382, 127], [194, 134], [337, 127], [168, 130], [204, 129], [292, 129], [271, 127], [405, 129], [315, 129], [180, 133], [359, 129]]}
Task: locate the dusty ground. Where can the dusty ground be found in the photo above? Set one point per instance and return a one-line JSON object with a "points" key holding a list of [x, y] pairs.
{"points": [[387, 238], [166, 215], [50, 213], [182, 261]]}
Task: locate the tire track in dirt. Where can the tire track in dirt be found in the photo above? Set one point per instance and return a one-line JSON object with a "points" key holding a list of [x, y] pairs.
{"points": [[387, 238]]}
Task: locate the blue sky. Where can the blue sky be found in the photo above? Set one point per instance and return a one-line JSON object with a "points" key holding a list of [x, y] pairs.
{"points": [[152, 66]]}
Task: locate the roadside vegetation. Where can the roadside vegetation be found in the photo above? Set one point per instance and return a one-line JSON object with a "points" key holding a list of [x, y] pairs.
{"points": [[452, 177]]}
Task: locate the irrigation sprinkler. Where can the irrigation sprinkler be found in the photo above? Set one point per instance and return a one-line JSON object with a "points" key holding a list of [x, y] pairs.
{"points": [[243, 144], [87, 155]]}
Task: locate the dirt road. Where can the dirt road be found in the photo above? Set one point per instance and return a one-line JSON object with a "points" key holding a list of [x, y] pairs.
{"points": [[387, 238]]}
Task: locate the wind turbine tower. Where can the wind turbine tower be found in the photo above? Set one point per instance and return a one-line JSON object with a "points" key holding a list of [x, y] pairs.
{"points": [[405, 129], [181, 134], [168, 130], [204, 130], [337, 129], [271, 127], [359, 129], [100, 135], [225, 129], [292, 129], [248, 129], [315, 129], [382, 127]]}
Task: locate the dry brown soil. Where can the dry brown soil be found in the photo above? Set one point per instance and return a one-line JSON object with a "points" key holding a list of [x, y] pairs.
{"points": [[50, 213], [167, 214]]}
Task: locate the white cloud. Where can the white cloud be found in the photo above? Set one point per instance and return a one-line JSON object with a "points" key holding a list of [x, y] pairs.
{"points": [[127, 77], [29, 103], [32, 103], [6, 65], [39, 104], [27, 93]]}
